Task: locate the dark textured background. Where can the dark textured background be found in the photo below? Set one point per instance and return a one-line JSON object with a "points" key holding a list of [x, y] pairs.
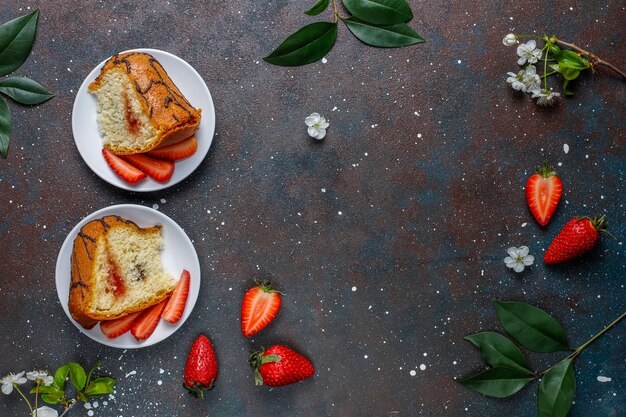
{"points": [[426, 159]]}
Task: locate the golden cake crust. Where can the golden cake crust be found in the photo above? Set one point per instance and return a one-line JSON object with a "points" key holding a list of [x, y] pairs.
{"points": [[172, 116], [82, 263]]}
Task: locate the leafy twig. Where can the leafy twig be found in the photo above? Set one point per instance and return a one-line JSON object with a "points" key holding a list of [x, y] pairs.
{"points": [[591, 55]]}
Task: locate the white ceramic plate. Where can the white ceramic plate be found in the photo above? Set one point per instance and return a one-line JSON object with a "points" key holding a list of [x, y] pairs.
{"points": [[178, 254], [89, 142]]}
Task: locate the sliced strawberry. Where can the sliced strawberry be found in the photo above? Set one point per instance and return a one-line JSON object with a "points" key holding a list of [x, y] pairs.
{"points": [[543, 192], [117, 327], [148, 320], [158, 169], [123, 169], [176, 305], [259, 307], [176, 151]]}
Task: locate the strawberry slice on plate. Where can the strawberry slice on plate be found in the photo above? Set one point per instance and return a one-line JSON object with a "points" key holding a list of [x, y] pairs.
{"points": [[259, 307], [158, 169], [176, 151], [147, 322], [543, 193], [117, 327], [122, 169], [176, 304]]}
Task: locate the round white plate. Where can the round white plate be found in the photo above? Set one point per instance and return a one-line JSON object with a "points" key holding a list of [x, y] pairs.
{"points": [[178, 254], [89, 142]]}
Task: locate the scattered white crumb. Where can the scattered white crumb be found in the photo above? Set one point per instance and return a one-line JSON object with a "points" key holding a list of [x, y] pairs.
{"points": [[604, 379], [413, 373], [131, 373], [565, 148], [422, 367], [353, 289]]}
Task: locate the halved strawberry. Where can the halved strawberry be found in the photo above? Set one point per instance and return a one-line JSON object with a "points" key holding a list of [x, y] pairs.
{"points": [[259, 307], [148, 320], [176, 151], [123, 169], [543, 192], [159, 169], [117, 327], [176, 305]]}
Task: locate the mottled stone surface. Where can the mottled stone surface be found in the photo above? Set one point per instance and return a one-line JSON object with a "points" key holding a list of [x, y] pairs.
{"points": [[387, 237]]}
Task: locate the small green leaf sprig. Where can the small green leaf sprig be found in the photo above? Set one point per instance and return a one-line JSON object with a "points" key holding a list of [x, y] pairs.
{"points": [[52, 389], [379, 23], [16, 41], [563, 59], [509, 371]]}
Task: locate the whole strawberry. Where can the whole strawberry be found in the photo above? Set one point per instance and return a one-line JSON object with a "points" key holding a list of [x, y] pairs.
{"points": [[201, 369], [279, 366], [577, 237]]}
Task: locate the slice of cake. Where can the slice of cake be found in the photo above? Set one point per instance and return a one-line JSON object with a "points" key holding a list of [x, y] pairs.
{"points": [[116, 270], [139, 107]]}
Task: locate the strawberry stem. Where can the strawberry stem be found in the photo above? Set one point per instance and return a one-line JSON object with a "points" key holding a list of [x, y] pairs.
{"points": [[599, 223], [546, 170]]}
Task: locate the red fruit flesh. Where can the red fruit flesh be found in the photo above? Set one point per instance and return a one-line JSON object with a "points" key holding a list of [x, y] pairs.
{"points": [[259, 307], [279, 366], [122, 169], [543, 193], [577, 237], [117, 327], [176, 305], [176, 151], [147, 322], [201, 368], [158, 169]]}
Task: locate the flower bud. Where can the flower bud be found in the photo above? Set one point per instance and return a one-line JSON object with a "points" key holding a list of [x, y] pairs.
{"points": [[509, 40]]}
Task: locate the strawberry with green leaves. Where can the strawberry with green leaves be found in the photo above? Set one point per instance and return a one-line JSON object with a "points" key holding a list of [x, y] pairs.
{"points": [[577, 237], [543, 193], [279, 366], [201, 369]]}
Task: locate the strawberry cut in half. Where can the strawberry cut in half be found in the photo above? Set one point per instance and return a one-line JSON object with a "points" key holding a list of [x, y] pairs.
{"points": [[279, 366], [578, 236], [259, 307], [117, 327], [176, 304], [122, 169], [176, 151], [158, 169], [543, 193], [147, 322]]}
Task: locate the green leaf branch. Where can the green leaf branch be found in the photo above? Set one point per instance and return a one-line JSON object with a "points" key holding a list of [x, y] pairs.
{"points": [[509, 371], [52, 389], [378, 23], [16, 41]]}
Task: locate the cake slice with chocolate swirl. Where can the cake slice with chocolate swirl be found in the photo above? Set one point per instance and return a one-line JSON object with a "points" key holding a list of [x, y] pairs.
{"points": [[139, 107]]}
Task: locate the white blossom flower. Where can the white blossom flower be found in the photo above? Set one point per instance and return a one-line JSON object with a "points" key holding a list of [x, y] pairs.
{"points": [[11, 379], [41, 376], [509, 40], [528, 52], [532, 81], [545, 97], [518, 258], [317, 126], [516, 80], [45, 412]]}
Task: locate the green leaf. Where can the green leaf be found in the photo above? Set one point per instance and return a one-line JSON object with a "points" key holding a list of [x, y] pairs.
{"points": [[77, 376], [498, 382], [42, 389], [318, 8], [497, 350], [96, 366], [556, 390], [60, 376], [81, 396], [24, 90], [554, 49], [53, 398], [531, 327], [392, 36], [307, 45], [565, 90], [16, 40], [570, 59], [570, 73], [5, 127], [100, 386], [380, 12]]}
